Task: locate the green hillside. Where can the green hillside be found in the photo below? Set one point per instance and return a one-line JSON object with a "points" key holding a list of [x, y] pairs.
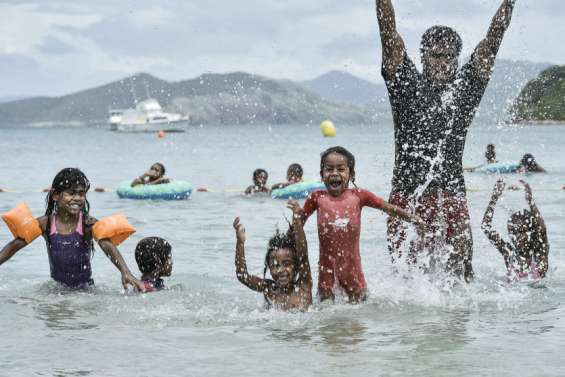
{"points": [[542, 99]]}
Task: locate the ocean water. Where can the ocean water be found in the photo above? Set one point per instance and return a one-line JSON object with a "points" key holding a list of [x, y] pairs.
{"points": [[208, 324]]}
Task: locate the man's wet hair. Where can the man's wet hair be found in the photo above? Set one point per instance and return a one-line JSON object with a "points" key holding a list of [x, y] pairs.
{"points": [[442, 35], [151, 253]]}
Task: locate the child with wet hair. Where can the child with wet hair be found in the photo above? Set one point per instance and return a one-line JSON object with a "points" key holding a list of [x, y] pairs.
{"points": [[155, 176], [290, 286], [339, 225], [154, 260], [526, 255], [294, 174], [260, 177]]}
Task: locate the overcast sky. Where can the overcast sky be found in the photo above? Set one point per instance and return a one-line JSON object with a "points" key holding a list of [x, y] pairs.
{"points": [[58, 46]]}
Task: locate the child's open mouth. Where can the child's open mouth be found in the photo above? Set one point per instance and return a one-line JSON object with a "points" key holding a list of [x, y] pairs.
{"points": [[335, 184]]}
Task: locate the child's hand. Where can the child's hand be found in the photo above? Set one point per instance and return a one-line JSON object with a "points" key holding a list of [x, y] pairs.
{"points": [[293, 205], [239, 230], [136, 283], [499, 188], [528, 189]]}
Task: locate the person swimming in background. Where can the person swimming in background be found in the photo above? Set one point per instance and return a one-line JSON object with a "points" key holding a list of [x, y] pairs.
{"points": [[527, 253], [287, 262], [260, 177], [528, 164], [294, 174], [490, 157], [339, 224], [155, 176], [68, 231], [154, 260]]}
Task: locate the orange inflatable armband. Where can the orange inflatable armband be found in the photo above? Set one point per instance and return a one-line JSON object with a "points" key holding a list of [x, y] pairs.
{"points": [[21, 223], [115, 227]]}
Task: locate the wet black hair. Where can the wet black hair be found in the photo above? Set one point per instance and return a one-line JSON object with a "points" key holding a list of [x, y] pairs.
{"points": [[529, 162], [295, 168], [256, 172], [527, 218], [162, 168], [345, 153], [151, 253], [490, 153], [281, 241], [443, 35], [66, 179]]}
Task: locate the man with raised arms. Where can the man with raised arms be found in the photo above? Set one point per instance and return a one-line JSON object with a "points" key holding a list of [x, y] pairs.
{"points": [[432, 112]]}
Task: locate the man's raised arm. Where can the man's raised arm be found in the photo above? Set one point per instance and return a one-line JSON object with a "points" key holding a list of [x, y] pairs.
{"points": [[485, 53], [393, 45]]}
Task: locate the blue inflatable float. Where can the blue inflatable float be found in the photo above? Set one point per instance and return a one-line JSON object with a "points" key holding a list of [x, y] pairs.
{"points": [[175, 190], [298, 190], [498, 168]]}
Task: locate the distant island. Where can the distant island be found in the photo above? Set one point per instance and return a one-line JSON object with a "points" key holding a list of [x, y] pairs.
{"points": [[542, 99], [232, 98]]}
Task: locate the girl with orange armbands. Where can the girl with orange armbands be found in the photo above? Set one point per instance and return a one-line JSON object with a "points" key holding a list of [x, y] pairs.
{"points": [[69, 231]]}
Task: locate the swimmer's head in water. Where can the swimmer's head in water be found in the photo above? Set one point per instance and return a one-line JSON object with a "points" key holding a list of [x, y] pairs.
{"points": [[529, 163], [294, 173], [157, 170], [281, 259], [440, 49], [260, 177], [154, 257], [490, 153], [337, 169]]}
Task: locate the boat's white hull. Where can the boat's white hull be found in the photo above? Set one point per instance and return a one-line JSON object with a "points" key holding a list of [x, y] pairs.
{"points": [[166, 126]]}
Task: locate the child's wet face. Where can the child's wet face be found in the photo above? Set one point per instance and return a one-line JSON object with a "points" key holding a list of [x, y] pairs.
{"points": [[281, 265], [260, 179], [336, 173], [155, 171], [293, 176], [71, 201]]}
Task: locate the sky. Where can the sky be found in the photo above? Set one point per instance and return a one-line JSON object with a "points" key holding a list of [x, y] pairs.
{"points": [[54, 47]]}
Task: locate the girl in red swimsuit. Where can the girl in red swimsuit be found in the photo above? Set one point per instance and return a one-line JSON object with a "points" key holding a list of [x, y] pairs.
{"points": [[339, 224]]}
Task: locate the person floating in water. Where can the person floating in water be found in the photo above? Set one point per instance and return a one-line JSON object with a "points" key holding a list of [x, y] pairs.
{"points": [[528, 164], [155, 176], [154, 260], [490, 157], [287, 262], [293, 175], [339, 225], [527, 253], [69, 230], [260, 177], [432, 112]]}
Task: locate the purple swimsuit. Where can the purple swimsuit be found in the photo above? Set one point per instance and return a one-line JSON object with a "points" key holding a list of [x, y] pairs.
{"points": [[69, 256]]}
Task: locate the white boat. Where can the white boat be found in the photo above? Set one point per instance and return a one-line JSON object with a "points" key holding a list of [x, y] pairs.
{"points": [[148, 116]]}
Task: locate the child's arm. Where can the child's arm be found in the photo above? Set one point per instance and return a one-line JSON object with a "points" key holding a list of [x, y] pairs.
{"points": [[371, 200], [301, 244], [541, 228], [115, 256], [502, 246], [17, 244], [251, 281], [159, 181]]}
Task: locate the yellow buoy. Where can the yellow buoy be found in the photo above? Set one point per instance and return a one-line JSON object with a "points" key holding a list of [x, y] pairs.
{"points": [[328, 129]]}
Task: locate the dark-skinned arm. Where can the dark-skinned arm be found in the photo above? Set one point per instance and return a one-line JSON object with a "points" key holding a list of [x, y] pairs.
{"points": [[485, 53], [541, 229], [301, 246], [251, 281], [11, 248], [502, 246], [392, 43], [115, 256]]}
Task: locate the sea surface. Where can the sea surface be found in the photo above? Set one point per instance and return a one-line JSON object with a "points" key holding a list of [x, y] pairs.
{"points": [[208, 324]]}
